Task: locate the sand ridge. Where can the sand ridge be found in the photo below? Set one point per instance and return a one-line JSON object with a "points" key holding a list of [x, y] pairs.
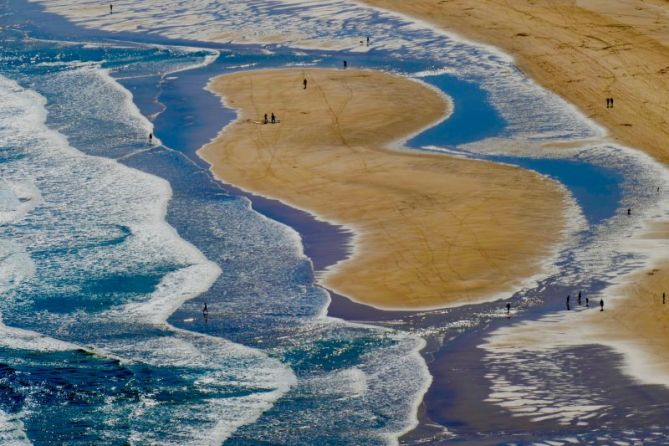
{"points": [[431, 230]]}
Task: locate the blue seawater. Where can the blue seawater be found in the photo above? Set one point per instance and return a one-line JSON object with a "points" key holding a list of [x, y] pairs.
{"points": [[93, 267]]}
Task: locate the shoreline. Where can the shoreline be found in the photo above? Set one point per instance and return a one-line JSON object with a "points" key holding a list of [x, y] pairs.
{"points": [[244, 177]]}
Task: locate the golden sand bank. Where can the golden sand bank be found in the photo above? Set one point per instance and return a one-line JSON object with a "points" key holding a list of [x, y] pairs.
{"points": [[430, 229], [584, 50]]}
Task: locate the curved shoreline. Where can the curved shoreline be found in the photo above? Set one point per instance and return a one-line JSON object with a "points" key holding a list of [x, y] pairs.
{"points": [[240, 155]]}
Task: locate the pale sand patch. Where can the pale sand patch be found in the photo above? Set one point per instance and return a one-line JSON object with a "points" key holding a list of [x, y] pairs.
{"points": [[431, 230], [639, 316], [635, 315], [584, 50]]}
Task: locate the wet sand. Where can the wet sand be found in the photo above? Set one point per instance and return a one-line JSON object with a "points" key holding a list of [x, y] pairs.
{"points": [[585, 51], [429, 230]]}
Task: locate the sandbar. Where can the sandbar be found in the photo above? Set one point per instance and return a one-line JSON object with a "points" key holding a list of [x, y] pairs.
{"points": [[430, 230]]}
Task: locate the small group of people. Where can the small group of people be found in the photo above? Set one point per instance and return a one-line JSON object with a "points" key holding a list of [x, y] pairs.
{"points": [[272, 119], [580, 301], [609, 102], [587, 301]]}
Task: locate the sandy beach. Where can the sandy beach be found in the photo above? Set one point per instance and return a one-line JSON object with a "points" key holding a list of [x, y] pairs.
{"points": [[430, 230], [585, 51]]}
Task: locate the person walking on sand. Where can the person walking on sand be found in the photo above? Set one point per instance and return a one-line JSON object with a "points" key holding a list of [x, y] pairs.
{"points": [[273, 118], [601, 304], [579, 298], [611, 102], [508, 308], [587, 302], [266, 120], [304, 82]]}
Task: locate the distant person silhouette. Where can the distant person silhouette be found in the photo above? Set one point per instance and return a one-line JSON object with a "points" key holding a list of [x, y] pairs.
{"points": [[273, 118], [601, 304], [579, 298], [111, 9], [629, 211], [304, 82], [367, 40], [266, 120], [150, 138], [611, 102], [587, 302], [568, 299], [345, 64], [664, 298], [508, 308]]}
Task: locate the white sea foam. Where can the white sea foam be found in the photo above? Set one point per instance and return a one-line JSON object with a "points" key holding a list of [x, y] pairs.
{"points": [[12, 430], [228, 366], [100, 192], [16, 200], [175, 289]]}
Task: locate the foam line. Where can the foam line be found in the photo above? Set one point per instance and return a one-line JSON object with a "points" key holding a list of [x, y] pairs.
{"points": [[140, 201]]}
